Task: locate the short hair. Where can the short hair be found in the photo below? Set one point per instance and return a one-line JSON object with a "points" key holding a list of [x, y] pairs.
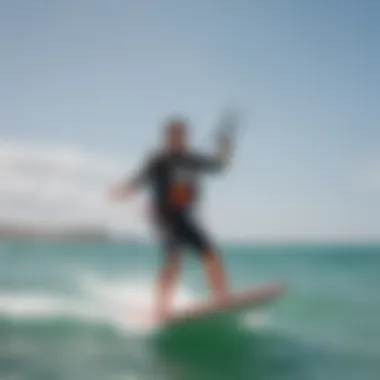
{"points": [[175, 122]]}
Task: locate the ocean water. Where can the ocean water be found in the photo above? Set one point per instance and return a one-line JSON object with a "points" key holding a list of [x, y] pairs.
{"points": [[68, 311]]}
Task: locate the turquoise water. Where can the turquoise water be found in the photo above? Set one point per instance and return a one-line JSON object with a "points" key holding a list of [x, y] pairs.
{"points": [[66, 312]]}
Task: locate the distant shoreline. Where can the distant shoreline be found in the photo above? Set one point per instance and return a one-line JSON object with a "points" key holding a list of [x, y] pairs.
{"points": [[83, 233], [87, 233]]}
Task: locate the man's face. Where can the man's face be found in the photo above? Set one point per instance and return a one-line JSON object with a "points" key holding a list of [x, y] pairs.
{"points": [[176, 136]]}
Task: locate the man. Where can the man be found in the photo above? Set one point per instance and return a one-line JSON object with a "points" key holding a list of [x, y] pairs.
{"points": [[172, 175]]}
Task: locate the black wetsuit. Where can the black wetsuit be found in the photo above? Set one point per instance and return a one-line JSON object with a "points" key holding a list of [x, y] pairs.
{"points": [[173, 179]]}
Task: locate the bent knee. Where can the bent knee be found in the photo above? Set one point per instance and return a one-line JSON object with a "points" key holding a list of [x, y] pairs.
{"points": [[209, 254]]}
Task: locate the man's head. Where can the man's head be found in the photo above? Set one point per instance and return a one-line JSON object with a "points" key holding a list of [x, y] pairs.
{"points": [[176, 135]]}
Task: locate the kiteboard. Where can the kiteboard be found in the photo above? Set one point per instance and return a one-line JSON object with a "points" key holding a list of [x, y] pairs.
{"points": [[235, 304]]}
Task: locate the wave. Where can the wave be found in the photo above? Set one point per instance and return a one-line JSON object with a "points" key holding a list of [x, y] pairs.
{"points": [[123, 306], [120, 305]]}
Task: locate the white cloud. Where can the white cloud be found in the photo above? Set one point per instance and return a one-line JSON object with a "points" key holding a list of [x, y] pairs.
{"points": [[60, 184], [63, 160]]}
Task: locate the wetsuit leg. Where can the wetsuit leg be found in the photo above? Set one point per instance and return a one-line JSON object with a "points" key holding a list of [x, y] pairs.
{"points": [[169, 238], [181, 230], [189, 233]]}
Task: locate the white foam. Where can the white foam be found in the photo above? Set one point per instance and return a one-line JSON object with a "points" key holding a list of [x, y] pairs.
{"points": [[120, 304], [131, 304], [256, 320], [39, 305]]}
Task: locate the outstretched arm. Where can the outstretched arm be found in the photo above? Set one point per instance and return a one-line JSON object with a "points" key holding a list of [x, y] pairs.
{"points": [[220, 159], [125, 189]]}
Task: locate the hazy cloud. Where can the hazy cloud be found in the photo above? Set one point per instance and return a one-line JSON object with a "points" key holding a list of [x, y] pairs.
{"points": [[59, 184]]}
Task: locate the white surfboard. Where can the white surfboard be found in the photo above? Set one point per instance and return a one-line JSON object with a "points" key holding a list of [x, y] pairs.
{"points": [[236, 304]]}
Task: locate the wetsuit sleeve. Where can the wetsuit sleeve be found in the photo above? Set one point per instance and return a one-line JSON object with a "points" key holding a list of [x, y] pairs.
{"points": [[207, 163], [141, 177], [218, 161]]}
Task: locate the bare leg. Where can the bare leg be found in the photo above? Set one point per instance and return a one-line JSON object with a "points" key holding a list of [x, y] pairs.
{"points": [[166, 284], [216, 276]]}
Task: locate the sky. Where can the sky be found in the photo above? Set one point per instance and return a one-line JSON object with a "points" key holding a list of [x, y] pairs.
{"points": [[87, 84]]}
